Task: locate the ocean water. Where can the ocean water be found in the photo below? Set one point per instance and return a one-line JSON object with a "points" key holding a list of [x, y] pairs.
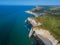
{"points": [[12, 25]]}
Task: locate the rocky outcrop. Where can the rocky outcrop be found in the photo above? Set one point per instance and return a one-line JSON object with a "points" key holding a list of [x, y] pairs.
{"points": [[33, 22], [42, 34]]}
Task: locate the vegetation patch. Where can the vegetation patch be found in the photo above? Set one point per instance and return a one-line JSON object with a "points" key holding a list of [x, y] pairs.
{"points": [[52, 23]]}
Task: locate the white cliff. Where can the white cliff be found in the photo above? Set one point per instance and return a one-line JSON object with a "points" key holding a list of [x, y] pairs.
{"points": [[43, 34], [33, 22]]}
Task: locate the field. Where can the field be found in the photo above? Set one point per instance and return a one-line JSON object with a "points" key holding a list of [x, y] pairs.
{"points": [[52, 23]]}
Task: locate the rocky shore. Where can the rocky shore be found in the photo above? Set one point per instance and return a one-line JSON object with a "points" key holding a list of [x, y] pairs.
{"points": [[43, 34], [40, 34]]}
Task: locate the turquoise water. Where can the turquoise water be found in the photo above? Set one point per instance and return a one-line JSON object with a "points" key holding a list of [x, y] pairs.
{"points": [[12, 25]]}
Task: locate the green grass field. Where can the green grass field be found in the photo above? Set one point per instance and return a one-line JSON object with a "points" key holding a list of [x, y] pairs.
{"points": [[51, 23]]}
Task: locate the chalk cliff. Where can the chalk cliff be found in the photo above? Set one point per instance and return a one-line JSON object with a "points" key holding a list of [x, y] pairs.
{"points": [[41, 33], [48, 17]]}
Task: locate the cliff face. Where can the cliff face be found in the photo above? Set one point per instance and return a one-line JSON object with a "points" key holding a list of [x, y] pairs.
{"points": [[45, 26], [43, 34]]}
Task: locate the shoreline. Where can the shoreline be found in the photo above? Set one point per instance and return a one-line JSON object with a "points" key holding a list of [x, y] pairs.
{"points": [[29, 12], [43, 35], [36, 31]]}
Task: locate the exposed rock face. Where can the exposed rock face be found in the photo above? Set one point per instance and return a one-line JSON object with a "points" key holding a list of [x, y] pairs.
{"points": [[33, 22], [42, 34], [45, 36]]}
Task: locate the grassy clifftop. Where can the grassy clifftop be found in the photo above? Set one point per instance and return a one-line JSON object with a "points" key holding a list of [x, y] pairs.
{"points": [[52, 23], [50, 19]]}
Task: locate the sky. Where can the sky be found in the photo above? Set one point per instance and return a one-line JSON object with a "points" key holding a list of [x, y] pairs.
{"points": [[29, 2]]}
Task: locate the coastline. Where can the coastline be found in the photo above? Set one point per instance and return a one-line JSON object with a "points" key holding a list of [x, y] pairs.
{"points": [[36, 30], [45, 34], [29, 12]]}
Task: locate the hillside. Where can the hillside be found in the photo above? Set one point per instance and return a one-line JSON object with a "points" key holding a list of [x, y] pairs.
{"points": [[46, 23], [52, 23]]}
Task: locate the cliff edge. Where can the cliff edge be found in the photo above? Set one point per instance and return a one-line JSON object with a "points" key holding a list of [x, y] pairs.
{"points": [[45, 28]]}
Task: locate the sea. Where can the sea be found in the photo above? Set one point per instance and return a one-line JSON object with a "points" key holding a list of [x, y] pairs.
{"points": [[12, 25]]}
